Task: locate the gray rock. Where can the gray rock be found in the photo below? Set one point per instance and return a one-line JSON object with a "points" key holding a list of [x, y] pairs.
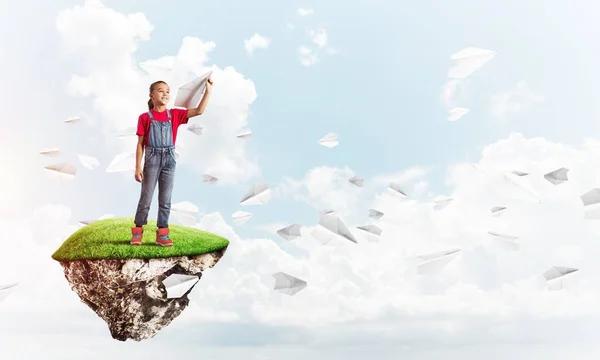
{"points": [[128, 294]]}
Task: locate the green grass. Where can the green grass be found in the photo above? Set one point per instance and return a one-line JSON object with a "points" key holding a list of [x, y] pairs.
{"points": [[109, 239]]}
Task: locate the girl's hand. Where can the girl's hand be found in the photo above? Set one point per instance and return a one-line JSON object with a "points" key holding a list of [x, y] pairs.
{"points": [[209, 84], [139, 175]]}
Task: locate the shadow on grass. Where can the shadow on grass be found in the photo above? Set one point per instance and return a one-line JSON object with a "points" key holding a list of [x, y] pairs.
{"points": [[125, 243]]}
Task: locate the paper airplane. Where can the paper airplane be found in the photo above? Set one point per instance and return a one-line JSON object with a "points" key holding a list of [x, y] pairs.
{"points": [[179, 284], [190, 93], [73, 120], [65, 170], [88, 161], [158, 66], [440, 204], [330, 140], [87, 222], [196, 129], [498, 210], [185, 212], [396, 189], [558, 176], [517, 178], [6, 289], [468, 60], [127, 132], [51, 152], [374, 214], [290, 232], [241, 217], [372, 231], [259, 194], [507, 242], [122, 162], [331, 228], [436, 262], [457, 113], [591, 203], [245, 134], [209, 179], [287, 284], [360, 182], [556, 276]]}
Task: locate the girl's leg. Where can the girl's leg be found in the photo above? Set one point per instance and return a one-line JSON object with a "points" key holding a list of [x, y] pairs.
{"points": [[166, 180], [151, 174]]}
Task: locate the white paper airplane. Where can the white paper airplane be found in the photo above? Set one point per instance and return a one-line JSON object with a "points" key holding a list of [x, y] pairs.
{"points": [[519, 173], [6, 289], [374, 214], [558, 176], [88, 161], [73, 120], [122, 162], [65, 170], [331, 228], [196, 129], [517, 178], [556, 276], [190, 93], [468, 60], [161, 66], [498, 210], [436, 262], [330, 140], [440, 204], [259, 194], [457, 113], [360, 182], [290, 232], [209, 179], [87, 222], [185, 213], [127, 132], [287, 284], [244, 134], [241, 217], [507, 242], [179, 284], [51, 152], [396, 189], [591, 203], [373, 232]]}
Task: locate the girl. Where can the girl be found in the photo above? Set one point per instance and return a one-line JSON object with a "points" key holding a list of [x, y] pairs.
{"points": [[157, 132]]}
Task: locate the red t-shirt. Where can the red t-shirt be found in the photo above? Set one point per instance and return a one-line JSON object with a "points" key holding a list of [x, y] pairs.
{"points": [[178, 117]]}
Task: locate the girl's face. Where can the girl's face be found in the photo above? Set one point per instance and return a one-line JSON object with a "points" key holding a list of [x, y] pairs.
{"points": [[160, 95]]}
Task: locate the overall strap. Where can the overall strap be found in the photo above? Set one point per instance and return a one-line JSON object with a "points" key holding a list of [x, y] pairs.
{"points": [[150, 113], [169, 114]]}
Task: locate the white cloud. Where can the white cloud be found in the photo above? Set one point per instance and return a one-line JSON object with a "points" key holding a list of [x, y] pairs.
{"points": [[307, 56], [256, 42], [318, 37], [102, 42], [514, 101], [305, 12]]}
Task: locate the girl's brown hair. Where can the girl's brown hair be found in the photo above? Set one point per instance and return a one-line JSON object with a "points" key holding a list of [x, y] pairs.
{"points": [[152, 86]]}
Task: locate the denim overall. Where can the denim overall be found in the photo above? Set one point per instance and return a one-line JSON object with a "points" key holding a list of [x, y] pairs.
{"points": [[159, 166]]}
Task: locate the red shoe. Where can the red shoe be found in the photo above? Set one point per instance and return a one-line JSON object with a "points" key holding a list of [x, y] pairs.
{"points": [[136, 235], [162, 237]]}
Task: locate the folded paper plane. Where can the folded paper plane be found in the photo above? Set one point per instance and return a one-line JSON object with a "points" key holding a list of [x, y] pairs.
{"points": [[51, 152], [287, 284], [591, 204], [330, 140], [469, 60], [290, 232], [196, 129], [241, 217], [556, 277], [190, 93], [373, 232], [360, 182], [457, 113], [498, 210], [6, 289], [507, 242], [558, 176], [259, 194], [209, 179], [178, 284], [436, 262], [374, 214], [73, 120], [440, 204], [122, 162], [396, 189], [88, 161], [244, 134], [331, 228]]}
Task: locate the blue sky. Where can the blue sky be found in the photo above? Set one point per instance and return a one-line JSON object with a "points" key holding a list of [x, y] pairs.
{"points": [[382, 93]]}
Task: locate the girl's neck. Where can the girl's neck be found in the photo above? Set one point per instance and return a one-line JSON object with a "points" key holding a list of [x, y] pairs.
{"points": [[160, 108]]}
